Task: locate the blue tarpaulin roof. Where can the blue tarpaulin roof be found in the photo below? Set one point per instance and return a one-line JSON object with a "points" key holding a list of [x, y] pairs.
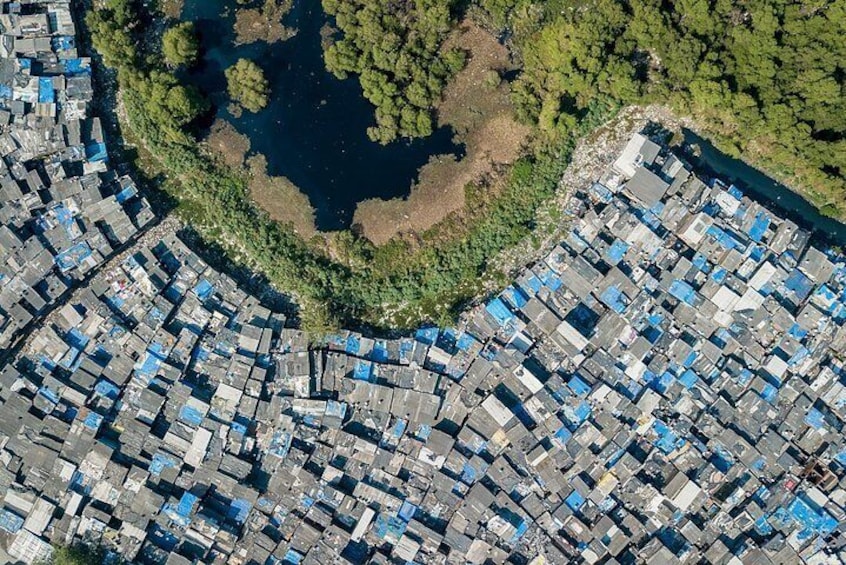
{"points": [[107, 388], [663, 382], [724, 238], [574, 501], [688, 379], [95, 152], [162, 538], [601, 192], [238, 511], [722, 458], [578, 386], [759, 227], [576, 241], [769, 393], [515, 297], [405, 349], [426, 335], [797, 332], [406, 511], [446, 340], [379, 354], [499, 311], [77, 67], [10, 521], [398, 429], [93, 421], [386, 524], [815, 418], [613, 298], [363, 370], [563, 434], [203, 289], [690, 359], [648, 217], [801, 354], [629, 388], [160, 462], [190, 415], [150, 365], [62, 42], [280, 444], [799, 284], [292, 557], [520, 531], [465, 342], [352, 345], [126, 193], [617, 251], [76, 338], [810, 516], [701, 262], [46, 93], [734, 191], [577, 415], [683, 291], [550, 279], [534, 284], [336, 409], [667, 441], [181, 511], [186, 504]]}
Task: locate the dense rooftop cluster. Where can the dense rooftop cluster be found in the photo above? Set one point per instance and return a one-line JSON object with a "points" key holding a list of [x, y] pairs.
{"points": [[62, 209], [665, 386]]}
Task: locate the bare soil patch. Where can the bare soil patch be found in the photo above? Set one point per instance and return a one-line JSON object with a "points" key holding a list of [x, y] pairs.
{"points": [[172, 8], [277, 196], [280, 198], [476, 105], [263, 22], [229, 145]]}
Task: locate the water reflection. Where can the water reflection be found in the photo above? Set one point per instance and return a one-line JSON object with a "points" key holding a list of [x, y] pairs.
{"points": [[314, 129]]}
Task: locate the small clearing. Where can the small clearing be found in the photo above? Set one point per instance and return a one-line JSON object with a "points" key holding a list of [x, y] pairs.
{"points": [[277, 196], [280, 198], [263, 23], [172, 8], [229, 145]]}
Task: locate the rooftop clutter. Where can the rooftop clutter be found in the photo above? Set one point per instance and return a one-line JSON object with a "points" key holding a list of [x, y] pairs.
{"points": [[665, 386], [62, 208]]}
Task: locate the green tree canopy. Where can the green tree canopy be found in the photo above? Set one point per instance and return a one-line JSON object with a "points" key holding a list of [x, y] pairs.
{"points": [[77, 555], [110, 38], [247, 85], [396, 49], [180, 45]]}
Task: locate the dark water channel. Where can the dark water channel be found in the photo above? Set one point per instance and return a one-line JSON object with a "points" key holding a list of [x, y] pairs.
{"points": [[764, 190], [314, 130]]}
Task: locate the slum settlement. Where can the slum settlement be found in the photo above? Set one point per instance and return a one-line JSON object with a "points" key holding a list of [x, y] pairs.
{"points": [[63, 210], [666, 386]]}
